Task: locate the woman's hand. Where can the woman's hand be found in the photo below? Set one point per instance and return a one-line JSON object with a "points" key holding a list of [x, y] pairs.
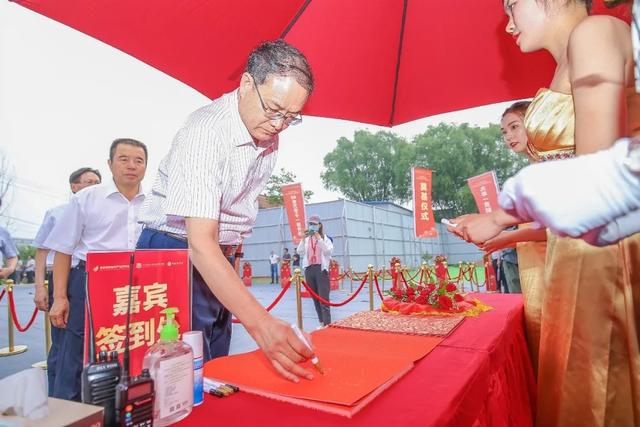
{"points": [[476, 228], [501, 241]]}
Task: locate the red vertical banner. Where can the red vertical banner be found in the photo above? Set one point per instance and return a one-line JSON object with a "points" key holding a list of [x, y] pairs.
{"points": [[294, 205], [423, 220], [491, 281], [161, 279], [484, 188]]}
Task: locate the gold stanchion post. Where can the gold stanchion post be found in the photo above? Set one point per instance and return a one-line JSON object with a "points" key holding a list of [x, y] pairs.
{"points": [[384, 273], [12, 349], [298, 280], [370, 273], [396, 282], [350, 280], [47, 335]]}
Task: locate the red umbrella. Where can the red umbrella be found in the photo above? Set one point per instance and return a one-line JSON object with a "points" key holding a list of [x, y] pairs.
{"points": [[383, 62]]}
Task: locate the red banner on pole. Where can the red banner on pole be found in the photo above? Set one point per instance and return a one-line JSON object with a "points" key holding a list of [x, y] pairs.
{"points": [[161, 279], [294, 205], [423, 220], [484, 188]]}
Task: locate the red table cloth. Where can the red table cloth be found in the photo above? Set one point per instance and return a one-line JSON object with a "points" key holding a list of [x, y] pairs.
{"points": [[480, 375]]}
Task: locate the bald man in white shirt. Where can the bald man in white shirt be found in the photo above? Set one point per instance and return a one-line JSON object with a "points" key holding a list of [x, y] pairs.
{"points": [[79, 179], [102, 217]]}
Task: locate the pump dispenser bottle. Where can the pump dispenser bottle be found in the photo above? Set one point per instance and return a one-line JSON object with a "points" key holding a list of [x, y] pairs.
{"points": [[170, 363]]}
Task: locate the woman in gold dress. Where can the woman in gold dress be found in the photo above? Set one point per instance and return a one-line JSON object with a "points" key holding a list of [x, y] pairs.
{"points": [[531, 244], [589, 361]]}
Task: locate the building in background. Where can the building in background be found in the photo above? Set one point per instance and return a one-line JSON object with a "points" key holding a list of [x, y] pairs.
{"points": [[362, 233]]}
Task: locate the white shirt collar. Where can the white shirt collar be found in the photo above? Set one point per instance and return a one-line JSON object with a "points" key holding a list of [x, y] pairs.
{"points": [[111, 188]]}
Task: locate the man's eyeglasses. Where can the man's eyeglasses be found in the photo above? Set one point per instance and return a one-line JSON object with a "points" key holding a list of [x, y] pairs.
{"points": [[274, 116]]}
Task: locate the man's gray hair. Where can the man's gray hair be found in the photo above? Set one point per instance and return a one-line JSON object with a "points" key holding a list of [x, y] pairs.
{"points": [[281, 59]]}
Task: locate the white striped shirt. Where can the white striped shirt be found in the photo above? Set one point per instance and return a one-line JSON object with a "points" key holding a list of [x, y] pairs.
{"points": [[214, 170]]}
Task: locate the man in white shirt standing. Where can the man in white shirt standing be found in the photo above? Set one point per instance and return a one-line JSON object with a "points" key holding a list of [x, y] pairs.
{"points": [[205, 198], [274, 260], [79, 179], [102, 217], [8, 253]]}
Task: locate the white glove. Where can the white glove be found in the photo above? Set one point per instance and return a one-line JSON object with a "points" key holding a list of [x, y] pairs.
{"points": [[618, 229], [575, 196]]}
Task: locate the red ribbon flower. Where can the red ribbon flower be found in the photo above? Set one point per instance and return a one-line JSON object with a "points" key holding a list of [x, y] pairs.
{"points": [[445, 302]]}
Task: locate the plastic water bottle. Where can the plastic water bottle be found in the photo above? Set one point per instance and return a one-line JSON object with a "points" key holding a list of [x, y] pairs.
{"points": [[194, 339]]}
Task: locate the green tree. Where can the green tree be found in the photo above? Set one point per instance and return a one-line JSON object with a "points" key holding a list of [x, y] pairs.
{"points": [[371, 167], [273, 190], [25, 251], [458, 152]]}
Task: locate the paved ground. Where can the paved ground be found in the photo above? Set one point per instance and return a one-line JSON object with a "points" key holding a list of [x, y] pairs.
{"points": [[240, 342]]}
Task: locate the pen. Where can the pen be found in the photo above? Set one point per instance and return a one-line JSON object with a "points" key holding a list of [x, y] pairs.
{"points": [[314, 360], [215, 387], [445, 221]]}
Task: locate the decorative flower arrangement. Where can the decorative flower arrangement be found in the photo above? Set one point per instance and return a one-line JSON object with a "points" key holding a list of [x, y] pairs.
{"points": [[432, 299]]}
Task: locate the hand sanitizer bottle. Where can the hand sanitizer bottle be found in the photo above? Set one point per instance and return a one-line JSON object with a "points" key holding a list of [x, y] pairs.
{"points": [[170, 363]]}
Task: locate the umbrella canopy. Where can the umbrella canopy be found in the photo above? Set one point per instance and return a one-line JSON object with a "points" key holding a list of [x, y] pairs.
{"points": [[383, 62]]}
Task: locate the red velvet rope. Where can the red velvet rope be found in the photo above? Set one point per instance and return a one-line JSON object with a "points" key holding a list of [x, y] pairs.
{"points": [[279, 297], [12, 307], [2, 294], [429, 276], [412, 279], [343, 275], [382, 273], [275, 301], [334, 304], [375, 278], [403, 279], [355, 277]]}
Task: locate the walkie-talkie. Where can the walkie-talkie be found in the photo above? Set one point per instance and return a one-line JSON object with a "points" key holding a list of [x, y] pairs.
{"points": [[134, 395], [100, 377]]}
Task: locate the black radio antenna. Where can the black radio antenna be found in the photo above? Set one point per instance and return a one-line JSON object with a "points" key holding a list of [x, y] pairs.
{"points": [[92, 338], [125, 364]]}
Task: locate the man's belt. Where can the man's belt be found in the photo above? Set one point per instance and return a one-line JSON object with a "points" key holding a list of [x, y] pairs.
{"points": [[227, 250]]}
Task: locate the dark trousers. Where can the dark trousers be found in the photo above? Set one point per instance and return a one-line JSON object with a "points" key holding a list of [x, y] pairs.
{"points": [[511, 276], [69, 354], [501, 283], [318, 280], [207, 313], [56, 338], [274, 273]]}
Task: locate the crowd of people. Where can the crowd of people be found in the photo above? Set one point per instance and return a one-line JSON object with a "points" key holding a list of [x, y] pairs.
{"points": [[580, 277]]}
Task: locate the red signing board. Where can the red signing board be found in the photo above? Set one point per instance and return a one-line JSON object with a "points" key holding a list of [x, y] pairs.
{"points": [[161, 279]]}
